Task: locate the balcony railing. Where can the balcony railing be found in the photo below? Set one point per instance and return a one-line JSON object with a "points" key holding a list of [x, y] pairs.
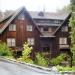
{"points": [[63, 46]]}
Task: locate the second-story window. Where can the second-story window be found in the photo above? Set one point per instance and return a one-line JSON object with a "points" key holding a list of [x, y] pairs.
{"points": [[12, 27], [64, 29], [29, 27], [63, 40]]}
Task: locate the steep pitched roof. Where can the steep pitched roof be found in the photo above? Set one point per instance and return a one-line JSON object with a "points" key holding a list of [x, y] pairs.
{"points": [[12, 17], [62, 23], [48, 15]]}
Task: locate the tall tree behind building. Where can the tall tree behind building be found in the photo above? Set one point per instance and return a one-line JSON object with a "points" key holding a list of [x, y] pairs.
{"points": [[72, 2], [72, 25]]}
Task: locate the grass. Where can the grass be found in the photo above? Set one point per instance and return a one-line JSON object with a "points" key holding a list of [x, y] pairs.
{"points": [[65, 69]]}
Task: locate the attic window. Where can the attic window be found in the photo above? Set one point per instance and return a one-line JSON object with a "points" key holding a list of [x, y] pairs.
{"points": [[41, 14], [21, 17]]}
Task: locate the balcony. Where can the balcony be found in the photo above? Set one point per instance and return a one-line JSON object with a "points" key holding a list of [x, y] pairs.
{"points": [[64, 46]]}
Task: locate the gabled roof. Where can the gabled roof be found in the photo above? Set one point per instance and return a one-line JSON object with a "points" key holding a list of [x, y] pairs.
{"points": [[6, 17], [48, 15], [13, 15], [63, 23]]}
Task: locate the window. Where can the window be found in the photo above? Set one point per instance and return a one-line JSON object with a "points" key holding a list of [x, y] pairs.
{"points": [[29, 28], [21, 17], [50, 29], [30, 41], [45, 29], [64, 29], [41, 29], [12, 27], [11, 42], [56, 21], [63, 40]]}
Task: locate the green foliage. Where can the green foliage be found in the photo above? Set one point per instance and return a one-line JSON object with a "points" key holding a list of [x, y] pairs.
{"points": [[67, 68], [58, 59], [72, 35], [5, 50], [40, 60], [72, 3], [26, 53], [65, 9]]}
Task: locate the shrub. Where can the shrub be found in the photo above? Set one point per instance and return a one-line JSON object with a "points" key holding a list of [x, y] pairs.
{"points": [[5, 50], [67, 68], [26, 53], [58, 60], [40, 60]]}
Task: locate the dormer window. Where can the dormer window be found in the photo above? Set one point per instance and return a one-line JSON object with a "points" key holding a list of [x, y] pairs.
{"points": [[64, 29], [21, 17], [12, 27]]}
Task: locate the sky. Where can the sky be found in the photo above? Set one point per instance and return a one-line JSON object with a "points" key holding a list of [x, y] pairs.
{"points": [[34, 5]]}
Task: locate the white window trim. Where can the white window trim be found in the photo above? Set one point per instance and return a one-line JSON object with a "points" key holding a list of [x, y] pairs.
{"points": [[11, 42], [30, 41], [29, 28], [62, 40], [12, 27]]}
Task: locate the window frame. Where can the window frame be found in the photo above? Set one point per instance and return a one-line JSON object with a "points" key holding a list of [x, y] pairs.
{"points": [[29, 40], [63, 41], [29, 28], [12, 27], [63, 29], [11, 43]]}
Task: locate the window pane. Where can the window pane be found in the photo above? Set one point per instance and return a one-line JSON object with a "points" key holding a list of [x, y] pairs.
{"points": [[50, 29], [64, 29], [13, 42], [30, 41], [29, 28], [9, 42], [63, 41], [12, 27]]}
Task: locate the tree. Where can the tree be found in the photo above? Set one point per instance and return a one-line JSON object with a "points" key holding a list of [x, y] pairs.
{"points": [[26, 53], [72, 3], [72, 25], [72, 35], [65, 9]]}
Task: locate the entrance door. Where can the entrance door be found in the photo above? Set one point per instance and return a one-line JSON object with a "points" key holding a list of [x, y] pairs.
{"points": [[46, 51]]}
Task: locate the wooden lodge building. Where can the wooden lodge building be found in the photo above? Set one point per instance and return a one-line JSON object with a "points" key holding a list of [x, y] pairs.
{"points": [[45, 32]]}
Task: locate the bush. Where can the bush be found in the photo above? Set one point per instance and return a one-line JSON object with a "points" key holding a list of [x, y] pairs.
{"points": [[58, 60], [67, 68], [40, 60], [5, 50], [26, 54]]}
